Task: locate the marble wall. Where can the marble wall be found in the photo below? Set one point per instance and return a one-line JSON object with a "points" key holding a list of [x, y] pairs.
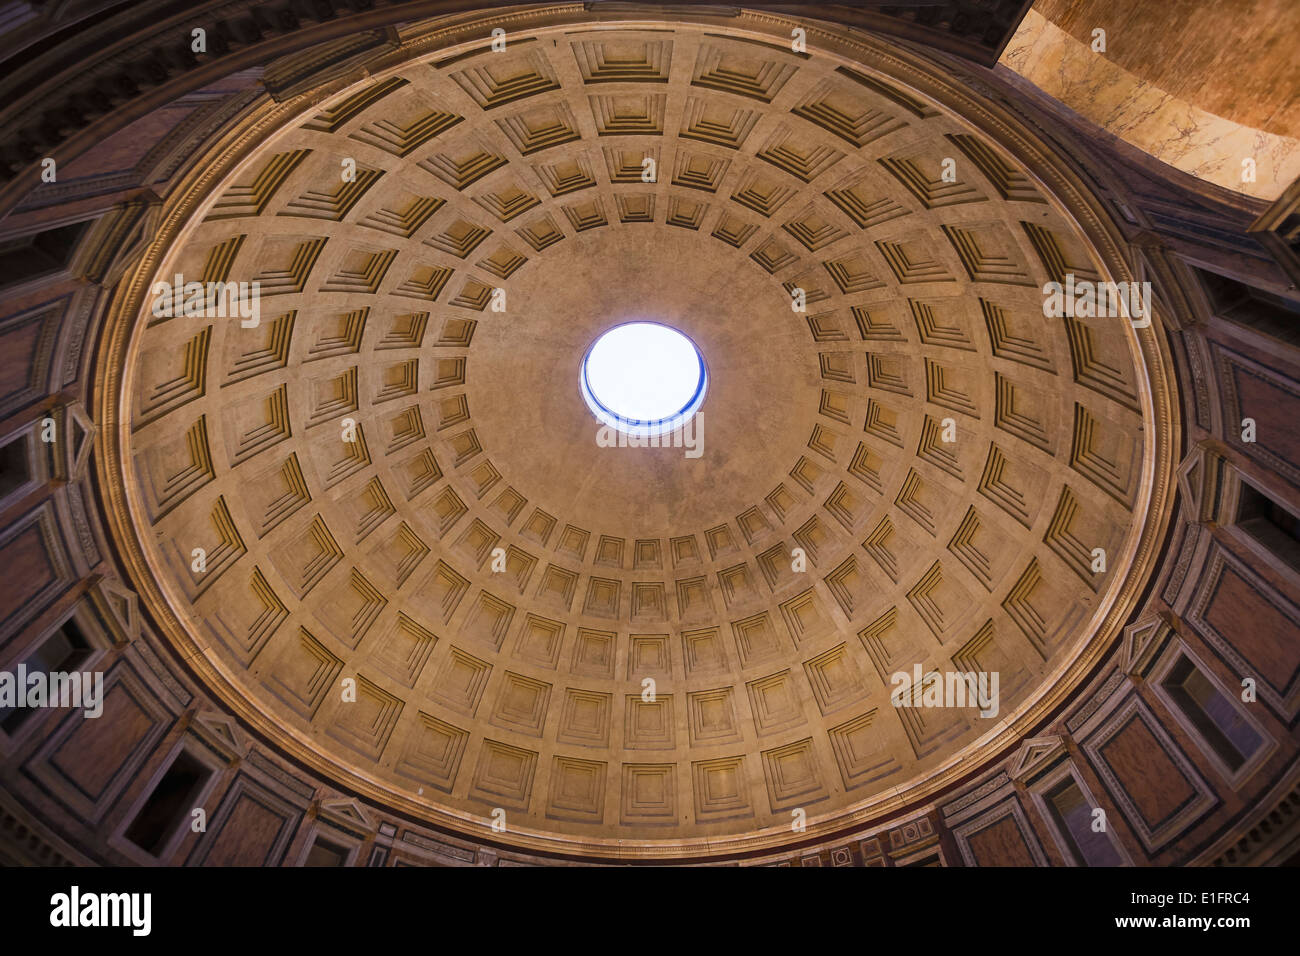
{"points": [[1172, 125]]}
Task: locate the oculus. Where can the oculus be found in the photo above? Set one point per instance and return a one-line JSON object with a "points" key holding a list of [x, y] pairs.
{"points": [[643, 378]]}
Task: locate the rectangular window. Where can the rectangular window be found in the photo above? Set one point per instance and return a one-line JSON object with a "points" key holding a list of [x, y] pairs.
{"points": [[325, 853], [170, 803], [1254, 308], [1272, 525], [63, 651], [15, 466], [39, 254], [1217, 719], [1072, 813]]}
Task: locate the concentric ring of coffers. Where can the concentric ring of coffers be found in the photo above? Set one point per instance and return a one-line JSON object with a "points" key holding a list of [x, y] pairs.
{"points": [[396, 590]]}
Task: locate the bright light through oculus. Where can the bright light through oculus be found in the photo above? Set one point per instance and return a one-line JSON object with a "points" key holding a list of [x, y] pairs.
{"points": [[643, 378]]}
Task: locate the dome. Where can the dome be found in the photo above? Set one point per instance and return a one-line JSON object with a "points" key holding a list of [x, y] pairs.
{"points": [[906, 467], [606, 433]]}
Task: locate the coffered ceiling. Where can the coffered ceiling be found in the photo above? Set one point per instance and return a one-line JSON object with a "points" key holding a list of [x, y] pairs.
{"points": [[824, 431]]}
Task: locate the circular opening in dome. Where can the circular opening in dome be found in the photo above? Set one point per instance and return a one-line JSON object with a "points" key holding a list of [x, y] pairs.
{"points": [[643, 378]]}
